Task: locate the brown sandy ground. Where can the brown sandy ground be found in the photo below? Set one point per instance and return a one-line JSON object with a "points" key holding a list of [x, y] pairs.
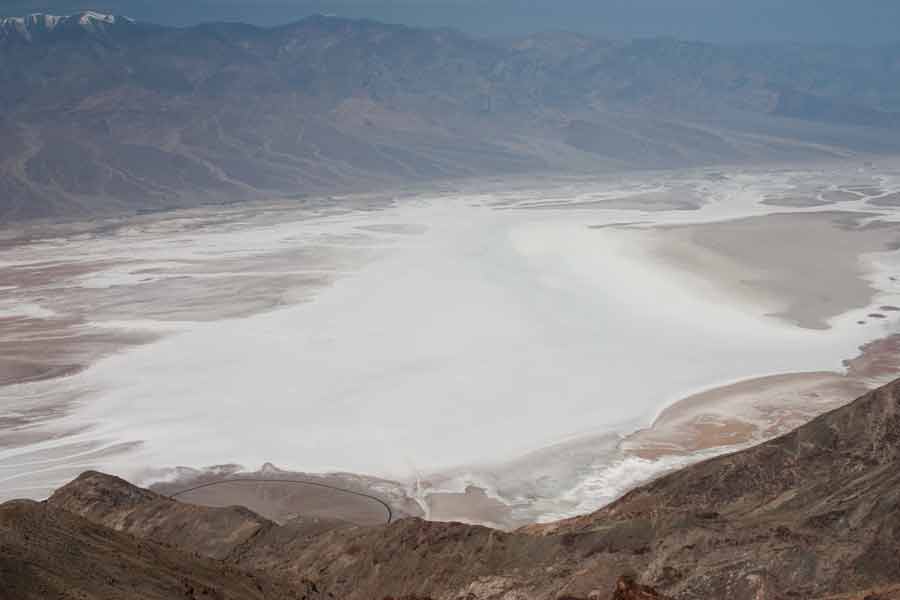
{"points": [[759, 409], [471, 506], [276, 495]]}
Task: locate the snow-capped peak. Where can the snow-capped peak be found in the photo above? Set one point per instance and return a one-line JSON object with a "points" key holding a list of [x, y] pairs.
{"points": [[89, 16], [32, 24], [40, 20]]}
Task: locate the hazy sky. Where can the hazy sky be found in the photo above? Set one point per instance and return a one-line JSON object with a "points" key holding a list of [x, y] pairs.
{"points": [[857, 22]]}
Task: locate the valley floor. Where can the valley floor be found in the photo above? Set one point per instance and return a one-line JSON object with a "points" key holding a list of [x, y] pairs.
{"points": [[502, 352]]}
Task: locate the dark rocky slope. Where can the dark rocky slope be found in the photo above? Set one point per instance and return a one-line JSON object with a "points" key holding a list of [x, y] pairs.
{"points": [[810, 515], [47, 554]]}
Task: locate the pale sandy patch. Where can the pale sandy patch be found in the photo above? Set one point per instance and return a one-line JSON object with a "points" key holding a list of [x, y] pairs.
{"points": [[802, 267], [761, 408], [283, 495], [473, 505]]}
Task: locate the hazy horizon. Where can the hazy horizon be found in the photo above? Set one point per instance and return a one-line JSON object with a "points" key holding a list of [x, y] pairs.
{"points": [[804, 21]]}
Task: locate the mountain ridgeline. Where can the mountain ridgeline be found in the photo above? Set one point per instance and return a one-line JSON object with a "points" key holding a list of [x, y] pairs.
{"points": [[100, 114], [811, 515]]}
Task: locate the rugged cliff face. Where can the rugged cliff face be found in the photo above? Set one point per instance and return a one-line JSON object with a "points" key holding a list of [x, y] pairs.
{"points": [[812, 514]]}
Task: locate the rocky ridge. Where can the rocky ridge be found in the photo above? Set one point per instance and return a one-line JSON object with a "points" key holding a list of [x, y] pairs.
{"points": [[811, 515]]}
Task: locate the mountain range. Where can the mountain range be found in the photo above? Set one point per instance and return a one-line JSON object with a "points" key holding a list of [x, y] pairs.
{"points": [[102, 114], [811, 515]]}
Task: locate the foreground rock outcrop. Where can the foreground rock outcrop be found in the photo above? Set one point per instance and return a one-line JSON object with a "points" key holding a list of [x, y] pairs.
{"points": [[812, 514], [628, 589], [46, 553]]}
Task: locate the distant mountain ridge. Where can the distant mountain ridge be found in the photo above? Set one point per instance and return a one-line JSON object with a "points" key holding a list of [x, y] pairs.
{"points": [[100, 114], [34, 27]]}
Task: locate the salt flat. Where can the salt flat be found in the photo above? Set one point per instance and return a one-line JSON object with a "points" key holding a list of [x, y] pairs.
{"points": [[507, 336]]}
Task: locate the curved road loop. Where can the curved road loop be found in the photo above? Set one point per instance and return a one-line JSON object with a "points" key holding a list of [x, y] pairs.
{"points": [[387, 507]]}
